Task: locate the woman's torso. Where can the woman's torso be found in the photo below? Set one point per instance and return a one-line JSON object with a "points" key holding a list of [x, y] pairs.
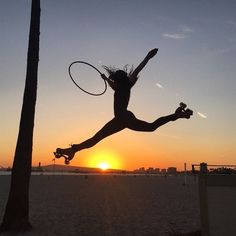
{"points": [[121, 98]]}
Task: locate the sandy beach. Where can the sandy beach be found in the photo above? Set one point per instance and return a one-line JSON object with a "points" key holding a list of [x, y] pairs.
{"points": [[110, 205]]}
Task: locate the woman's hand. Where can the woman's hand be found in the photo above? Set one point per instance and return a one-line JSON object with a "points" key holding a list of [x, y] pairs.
{"points": [[152, 53], [109, 81], [104, 77]]}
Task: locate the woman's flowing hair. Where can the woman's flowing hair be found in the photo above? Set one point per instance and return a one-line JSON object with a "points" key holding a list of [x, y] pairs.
{"points": [[111, 70]]}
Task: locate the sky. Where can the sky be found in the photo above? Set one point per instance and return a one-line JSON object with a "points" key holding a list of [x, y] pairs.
{"points": [[195, 64]]}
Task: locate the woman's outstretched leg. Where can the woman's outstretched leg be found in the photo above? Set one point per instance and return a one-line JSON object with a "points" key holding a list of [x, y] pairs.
{"points": [[110, 128], [113, 126]]}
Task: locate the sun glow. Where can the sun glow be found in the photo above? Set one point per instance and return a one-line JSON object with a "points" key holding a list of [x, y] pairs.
{"points": [[105, 159], [104, 166]]}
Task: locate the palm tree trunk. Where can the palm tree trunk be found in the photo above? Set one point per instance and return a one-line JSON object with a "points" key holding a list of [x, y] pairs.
{"points": [[16, 217]]}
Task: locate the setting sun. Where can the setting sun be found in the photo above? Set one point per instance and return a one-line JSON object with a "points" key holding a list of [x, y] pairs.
{"points": [[103, 166], [104, 159]]}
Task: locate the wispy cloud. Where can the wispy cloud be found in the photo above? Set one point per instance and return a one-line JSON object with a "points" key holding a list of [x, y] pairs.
{"points": [[182, 33], [159, 85], [174, 36], [185, 28], [201, 115]]}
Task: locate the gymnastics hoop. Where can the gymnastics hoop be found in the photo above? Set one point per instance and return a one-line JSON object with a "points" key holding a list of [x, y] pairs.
{"points": [[86, 63]]}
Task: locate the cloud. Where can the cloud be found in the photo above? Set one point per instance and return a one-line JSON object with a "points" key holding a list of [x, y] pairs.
{"points": [[201, 115], [159, 85], [174, 36], [182, 33], [185, 28]]}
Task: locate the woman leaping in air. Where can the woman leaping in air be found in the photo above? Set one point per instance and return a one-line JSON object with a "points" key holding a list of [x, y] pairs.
{"points": [[122, 82]]}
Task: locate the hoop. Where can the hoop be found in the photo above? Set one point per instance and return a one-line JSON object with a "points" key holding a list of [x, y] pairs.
{"points": [[86, 63]]}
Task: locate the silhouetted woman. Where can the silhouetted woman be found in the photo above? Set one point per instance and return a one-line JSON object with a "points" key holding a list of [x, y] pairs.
{"points": [[122, 82]]}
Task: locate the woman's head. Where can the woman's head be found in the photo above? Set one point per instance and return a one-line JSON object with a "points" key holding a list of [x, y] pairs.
{"points": [[117, 75]]}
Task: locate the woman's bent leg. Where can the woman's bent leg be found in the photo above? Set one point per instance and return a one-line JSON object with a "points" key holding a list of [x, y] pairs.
{"points": [[139, 125], [135, 124]]}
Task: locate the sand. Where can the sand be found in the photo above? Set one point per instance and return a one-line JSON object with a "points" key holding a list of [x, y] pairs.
{"points": [[110, 205]]}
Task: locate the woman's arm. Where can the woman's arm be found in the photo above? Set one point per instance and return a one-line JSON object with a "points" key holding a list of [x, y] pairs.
{"points": [[134, 75]]}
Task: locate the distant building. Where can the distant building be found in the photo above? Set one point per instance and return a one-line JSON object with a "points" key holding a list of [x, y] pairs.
{"points": [[140, 170], [172, 170], [150, 170], [203, 167], [163, 171]]}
